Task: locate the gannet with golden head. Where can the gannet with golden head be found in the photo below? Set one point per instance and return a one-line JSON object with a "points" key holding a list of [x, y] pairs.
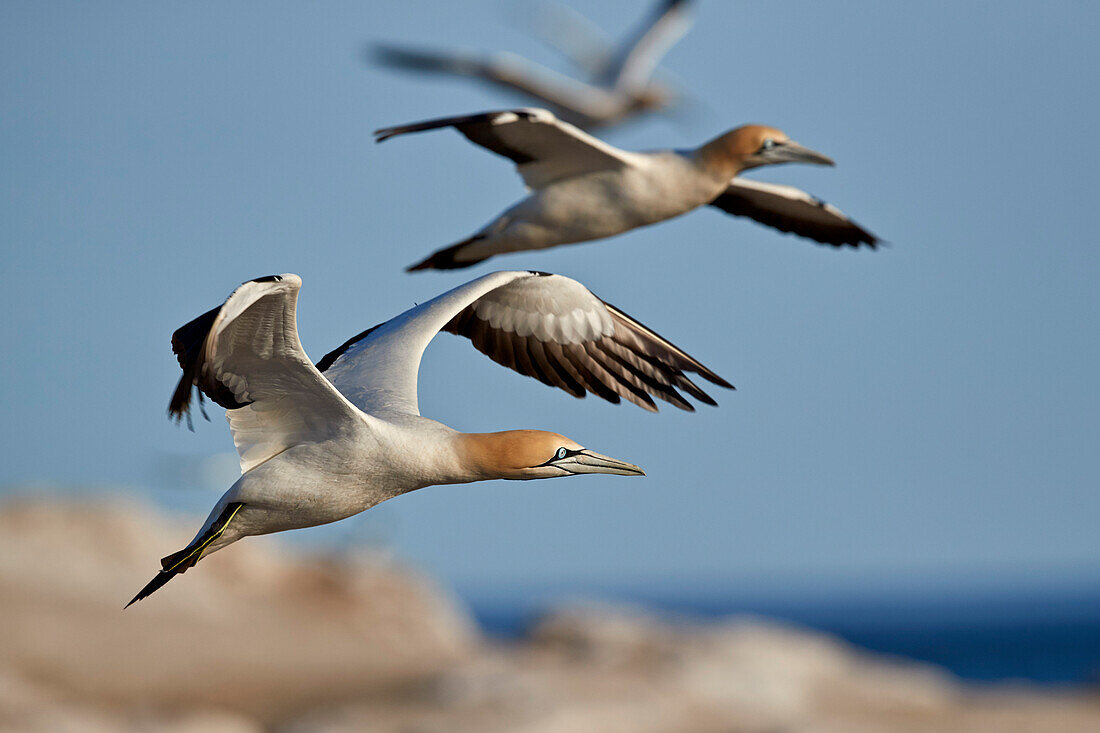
{"points": [[583, 189], [319, 443]]}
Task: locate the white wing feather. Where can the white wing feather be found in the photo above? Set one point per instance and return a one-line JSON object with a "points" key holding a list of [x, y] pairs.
{"points": [[252, 350], [544, 148], [544, 326]]}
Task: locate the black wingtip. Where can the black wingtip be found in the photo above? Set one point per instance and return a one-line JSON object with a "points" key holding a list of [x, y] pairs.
{"points": [[715, 379], [709, 375], [860, 238], [152, 586], [330, 358], [188, 344], [432, 263], [444, 259], [706, 399], [422, 265]]}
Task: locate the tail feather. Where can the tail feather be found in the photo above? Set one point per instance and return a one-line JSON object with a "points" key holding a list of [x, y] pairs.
{"points": [[179, 562], [152, 586], [445, 259]]}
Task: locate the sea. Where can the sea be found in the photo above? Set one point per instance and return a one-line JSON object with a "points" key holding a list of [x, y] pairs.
{"points": [[1044, 636]]}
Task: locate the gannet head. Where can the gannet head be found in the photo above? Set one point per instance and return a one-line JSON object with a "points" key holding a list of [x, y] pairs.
{"points": [[530, 454], [751, 146]]}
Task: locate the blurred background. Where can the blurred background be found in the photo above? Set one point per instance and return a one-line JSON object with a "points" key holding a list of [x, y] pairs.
{"points": [[909, 463]]}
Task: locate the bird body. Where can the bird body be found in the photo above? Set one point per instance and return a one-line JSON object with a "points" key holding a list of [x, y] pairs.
{"points": [[582, 189], [320, 443], [311, 484], [655, 187]]}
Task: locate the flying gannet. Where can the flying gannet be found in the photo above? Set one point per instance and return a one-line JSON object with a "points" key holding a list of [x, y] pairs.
{"points": [[320, 443], [583, 189], [621, 85]]}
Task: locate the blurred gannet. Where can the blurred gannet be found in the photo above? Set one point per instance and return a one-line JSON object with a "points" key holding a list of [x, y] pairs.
{"points": [[321, 443], [584, 189], [622, 85]]}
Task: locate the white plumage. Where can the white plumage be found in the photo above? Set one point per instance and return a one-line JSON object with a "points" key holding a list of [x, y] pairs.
{"points": [[620, 84], [322, 442], [582, 189]]}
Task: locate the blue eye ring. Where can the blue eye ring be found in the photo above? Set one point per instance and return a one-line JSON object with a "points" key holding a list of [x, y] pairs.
{"points": [[559, 454]]}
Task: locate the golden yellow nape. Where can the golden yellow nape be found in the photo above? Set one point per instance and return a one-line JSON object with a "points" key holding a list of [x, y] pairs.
{"points": [[734, 146], [511, 451]]}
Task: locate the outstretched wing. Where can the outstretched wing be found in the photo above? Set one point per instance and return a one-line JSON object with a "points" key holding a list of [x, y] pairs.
{"points": [[636, 62], [574, 101], [571, 34], [544, 326], [544, 148], [246, 357], [554, 329], [790, 209]]}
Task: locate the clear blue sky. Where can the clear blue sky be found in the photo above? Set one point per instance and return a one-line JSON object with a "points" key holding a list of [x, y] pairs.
{"points": [[929, 408]]}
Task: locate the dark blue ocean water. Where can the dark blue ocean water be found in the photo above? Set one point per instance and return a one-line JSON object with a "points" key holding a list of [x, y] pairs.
{"points": [[1043, 637]]}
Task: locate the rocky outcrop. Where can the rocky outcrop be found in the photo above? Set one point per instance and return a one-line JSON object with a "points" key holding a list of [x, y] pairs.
{"points": [[258, 640], [607, 670], [253, 630]]}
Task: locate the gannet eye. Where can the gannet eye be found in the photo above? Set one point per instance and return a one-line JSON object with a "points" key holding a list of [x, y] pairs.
{"points": [[560, 454], [768, 144]]}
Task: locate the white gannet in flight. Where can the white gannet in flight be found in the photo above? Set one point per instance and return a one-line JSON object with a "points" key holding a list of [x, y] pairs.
{"points": [[621, 85], [321, 443], [582, 189]]}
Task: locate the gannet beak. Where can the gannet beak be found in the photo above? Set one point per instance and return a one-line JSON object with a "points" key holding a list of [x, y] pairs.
{"points": [[591, 462], [792, 152]]}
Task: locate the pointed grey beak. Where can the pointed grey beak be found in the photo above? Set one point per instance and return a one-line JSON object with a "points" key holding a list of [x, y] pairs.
{"points": [[591, 462], [792, 152]]}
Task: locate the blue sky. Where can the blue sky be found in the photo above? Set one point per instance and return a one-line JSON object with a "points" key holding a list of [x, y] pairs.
{"points": [[928, 409]]}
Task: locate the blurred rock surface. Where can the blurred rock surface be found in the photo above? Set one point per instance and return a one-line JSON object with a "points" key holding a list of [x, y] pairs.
{"points": [[257, 639]]}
